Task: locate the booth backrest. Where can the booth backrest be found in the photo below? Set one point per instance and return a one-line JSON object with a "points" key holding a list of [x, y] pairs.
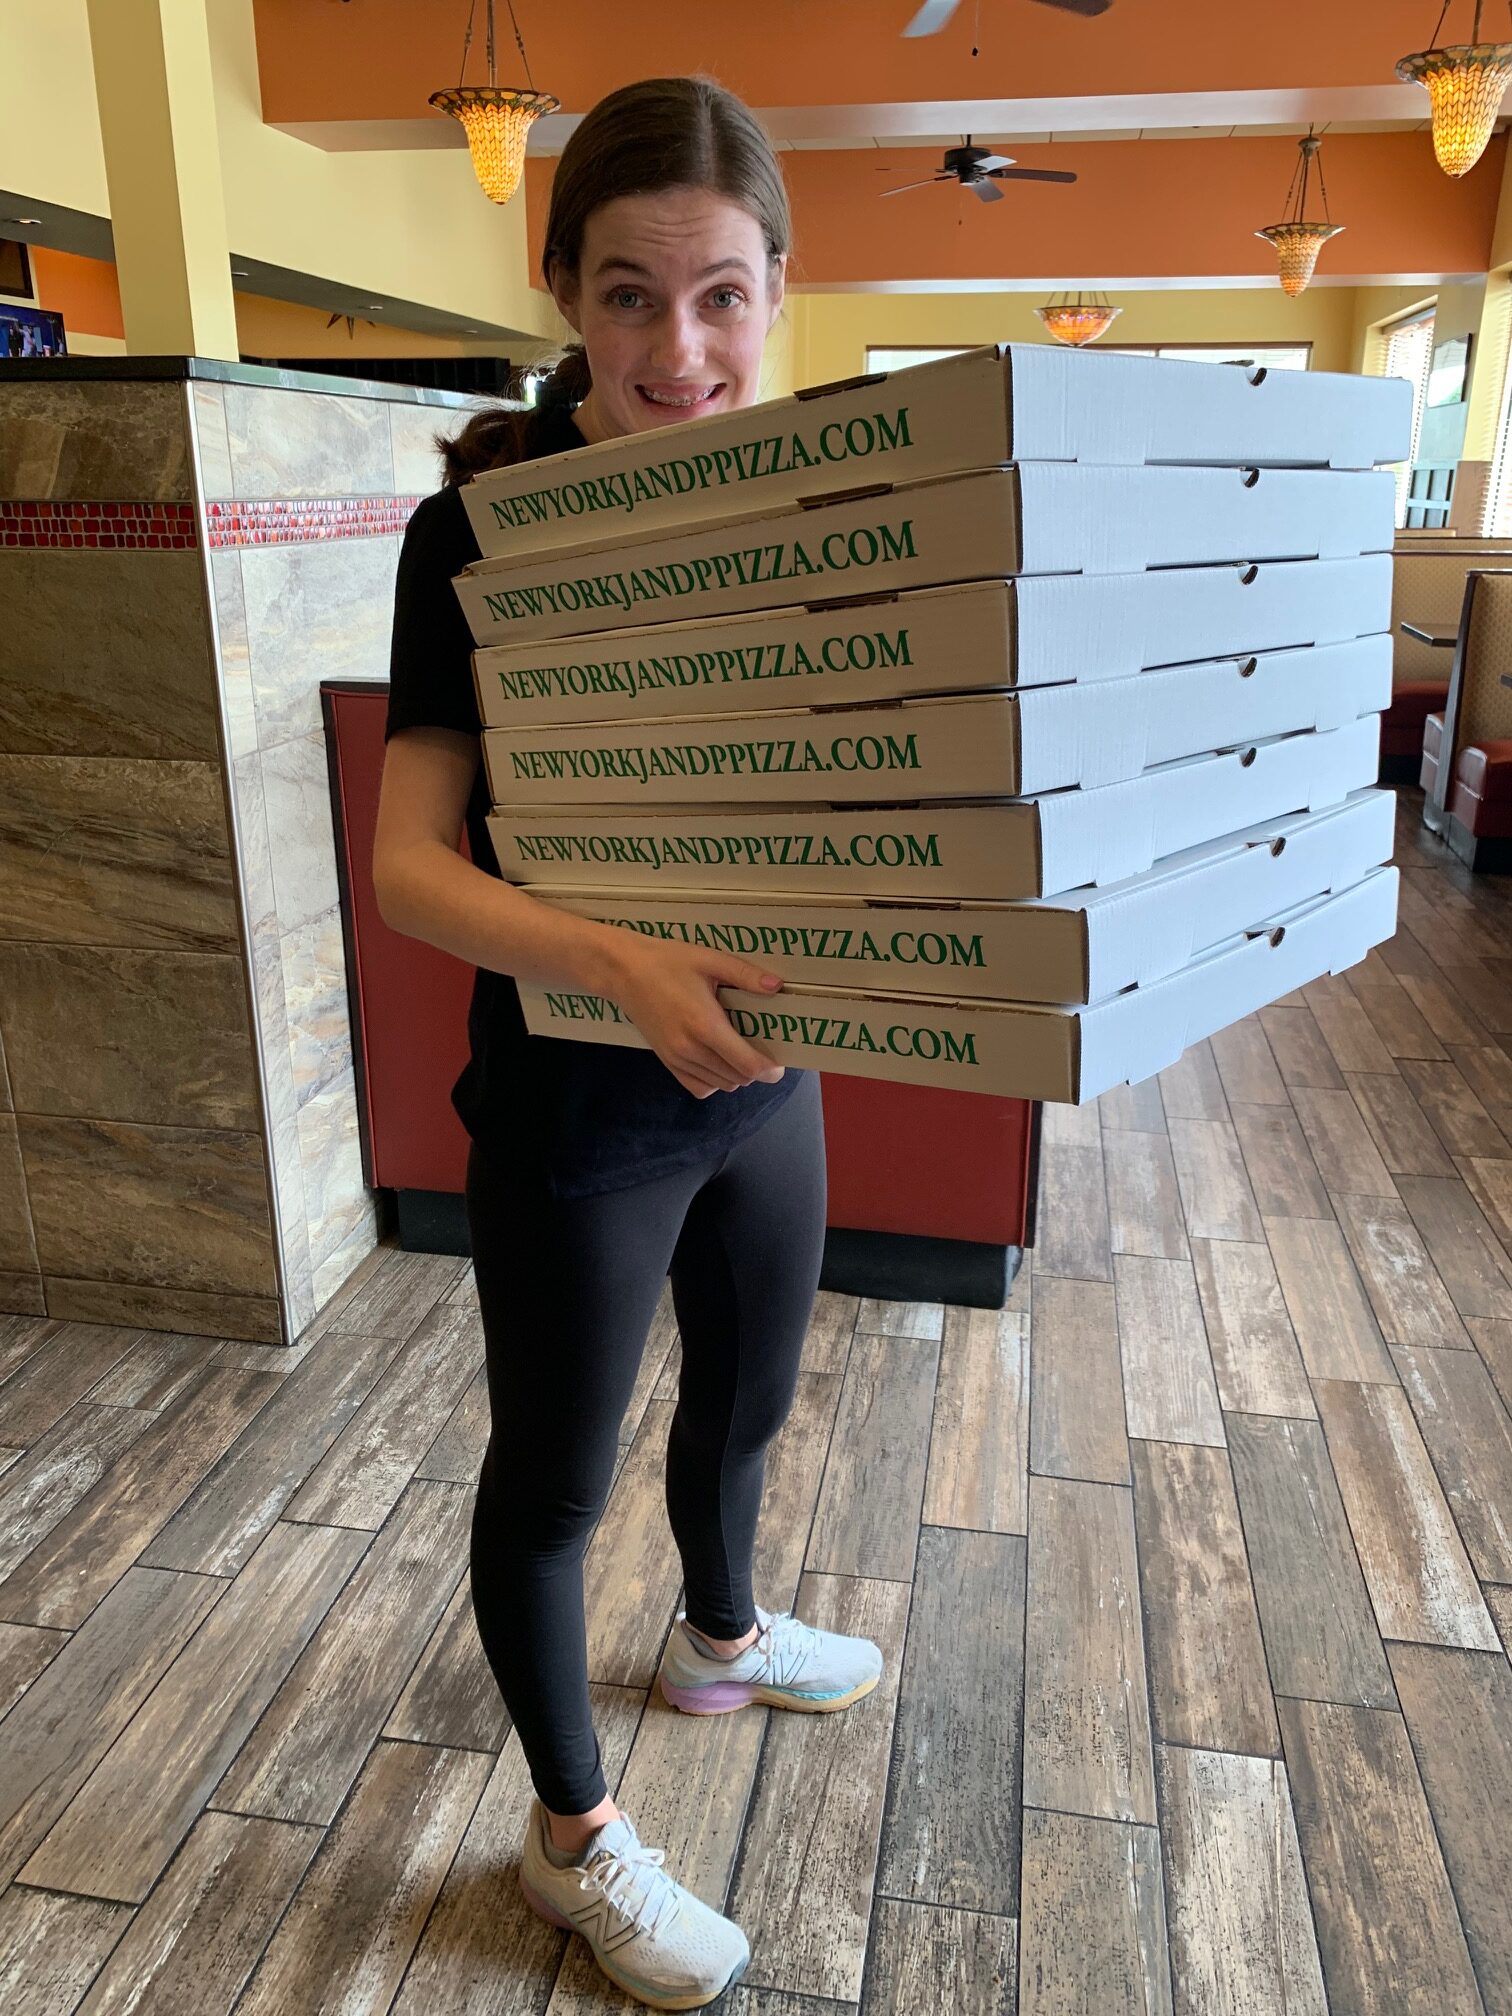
{"points": [[1428, 586], [1481, 705]]}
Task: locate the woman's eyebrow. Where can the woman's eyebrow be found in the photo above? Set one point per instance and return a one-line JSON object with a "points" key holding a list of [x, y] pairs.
{"points": [[644, 272]]}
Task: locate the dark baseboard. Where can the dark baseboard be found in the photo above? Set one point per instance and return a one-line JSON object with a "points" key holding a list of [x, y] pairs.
{"points": [[901, 1267], [1486, 857], [433, 1221], [889, 1266]]}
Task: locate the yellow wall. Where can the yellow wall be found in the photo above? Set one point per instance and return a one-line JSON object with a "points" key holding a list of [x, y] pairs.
{"points": [[409, 225], [831, 332]]}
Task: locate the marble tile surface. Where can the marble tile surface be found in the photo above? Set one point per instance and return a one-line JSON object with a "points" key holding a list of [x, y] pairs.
{"points": [[307, 444], [18, 1249], [22, 1295], [321, 611], [230, 608], [162, 1037], [115, 851], [98, 440], [319, 1012], [333, 1274], [331, 1153], [207, 411], [272, 1035], [417, 460], [254, 848], [168, 1207], [105, 654], [297, 792], [251, 1319]]}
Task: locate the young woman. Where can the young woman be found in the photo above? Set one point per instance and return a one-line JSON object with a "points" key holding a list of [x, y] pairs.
{"points": [[595, 1172]]}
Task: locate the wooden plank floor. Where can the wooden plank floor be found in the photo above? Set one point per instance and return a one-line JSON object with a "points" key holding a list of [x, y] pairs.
{"points": [[1192, 1567]]}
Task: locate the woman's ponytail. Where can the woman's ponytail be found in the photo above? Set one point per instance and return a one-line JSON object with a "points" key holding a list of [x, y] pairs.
{"points": [[500, 435]]}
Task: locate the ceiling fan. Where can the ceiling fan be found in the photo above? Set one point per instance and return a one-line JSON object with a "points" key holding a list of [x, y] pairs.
{"points": [[980, 171], [934, 14]]}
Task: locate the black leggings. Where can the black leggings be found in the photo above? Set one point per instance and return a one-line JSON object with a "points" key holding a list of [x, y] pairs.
{"points": [[568, 1291]]}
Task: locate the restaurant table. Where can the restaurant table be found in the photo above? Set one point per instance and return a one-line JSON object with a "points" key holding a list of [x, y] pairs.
{"points": [[1427, 633]]}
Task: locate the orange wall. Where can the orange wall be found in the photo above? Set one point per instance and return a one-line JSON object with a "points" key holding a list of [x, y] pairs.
{"points": [[85, 293], [1140, 208], [82, 291], [378, 59]]}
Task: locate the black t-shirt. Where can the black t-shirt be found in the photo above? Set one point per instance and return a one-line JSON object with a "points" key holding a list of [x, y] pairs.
{"points": [[587, 1116]]}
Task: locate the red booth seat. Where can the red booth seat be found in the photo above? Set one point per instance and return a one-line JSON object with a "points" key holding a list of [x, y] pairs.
{"points": [[1402, 723], [1480, 797]]}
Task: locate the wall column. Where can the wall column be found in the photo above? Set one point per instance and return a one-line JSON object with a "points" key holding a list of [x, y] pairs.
{"points": [[156, 96]]}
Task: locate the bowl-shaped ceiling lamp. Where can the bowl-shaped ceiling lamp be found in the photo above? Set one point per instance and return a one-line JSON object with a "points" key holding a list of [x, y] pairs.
{"points": [[1465, 83], [1079, 319], [1298, 238], [496, 120]]}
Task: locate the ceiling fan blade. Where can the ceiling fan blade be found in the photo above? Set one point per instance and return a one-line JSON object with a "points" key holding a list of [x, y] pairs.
{"points": [[1032, 175], [987, 162], [927, 184], [988, 191], [1087, 7], [931, 17]]}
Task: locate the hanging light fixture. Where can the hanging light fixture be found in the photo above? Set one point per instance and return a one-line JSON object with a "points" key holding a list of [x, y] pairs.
{"points": [[495, 121], [1077, 321], [1464, 83], [1298, 239]]}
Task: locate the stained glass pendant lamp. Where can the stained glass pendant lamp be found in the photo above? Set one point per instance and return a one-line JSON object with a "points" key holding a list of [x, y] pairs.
{"points": [[495, 120], [1464, 82], [1079, 320], [1299, 238]]}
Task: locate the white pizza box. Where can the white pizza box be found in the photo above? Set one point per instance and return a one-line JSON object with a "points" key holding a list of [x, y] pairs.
{"points": [[1037, 630], [977, 745], [1017, 1049], [1012, 402], [977, 850], [1078, 947], [1030, 518]]}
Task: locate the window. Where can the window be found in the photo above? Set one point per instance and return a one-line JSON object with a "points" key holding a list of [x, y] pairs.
{"points": [[1409, 352], [1498, 522], [1275, 356], [899, 360]]}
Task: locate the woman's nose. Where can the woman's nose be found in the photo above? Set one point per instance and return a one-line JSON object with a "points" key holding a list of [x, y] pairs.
{"points": [[677, 344]]}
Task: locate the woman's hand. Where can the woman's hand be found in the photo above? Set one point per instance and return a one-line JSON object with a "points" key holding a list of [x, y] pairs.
{"points": [[668, 992]]}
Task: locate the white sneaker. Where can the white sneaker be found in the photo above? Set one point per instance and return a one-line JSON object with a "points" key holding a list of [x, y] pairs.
{"points": [[652, 1937]]}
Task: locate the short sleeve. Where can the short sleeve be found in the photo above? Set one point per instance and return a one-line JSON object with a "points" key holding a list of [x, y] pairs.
{"points": [[430, 664]]}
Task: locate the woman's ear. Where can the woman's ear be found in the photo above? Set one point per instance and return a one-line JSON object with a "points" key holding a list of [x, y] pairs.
{"points": [[564, 291], [776, 288]]}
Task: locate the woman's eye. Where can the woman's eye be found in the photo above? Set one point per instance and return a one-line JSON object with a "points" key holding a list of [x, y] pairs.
{"points": [[626, 297], [727, 297]]}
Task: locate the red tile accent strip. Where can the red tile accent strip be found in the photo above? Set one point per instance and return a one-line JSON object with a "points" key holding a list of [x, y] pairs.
{"points": [[231, 521], [236, 521], [43, 522]]}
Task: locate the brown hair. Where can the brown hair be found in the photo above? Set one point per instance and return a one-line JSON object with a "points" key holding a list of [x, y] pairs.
{"points": [[663, 133]]}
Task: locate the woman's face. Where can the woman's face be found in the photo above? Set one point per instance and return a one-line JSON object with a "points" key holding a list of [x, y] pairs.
{"points": [[673, 300]]}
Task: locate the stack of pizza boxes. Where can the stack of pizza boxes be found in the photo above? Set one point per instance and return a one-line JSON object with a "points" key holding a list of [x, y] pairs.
{"points": [[1020, 709]]}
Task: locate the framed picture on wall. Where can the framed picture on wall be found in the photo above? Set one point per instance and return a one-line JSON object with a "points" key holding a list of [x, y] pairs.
{"points": [[1448, 370]]}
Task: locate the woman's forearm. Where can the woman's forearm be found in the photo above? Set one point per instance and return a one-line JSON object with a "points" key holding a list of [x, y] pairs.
{"points": [[433, 893]]}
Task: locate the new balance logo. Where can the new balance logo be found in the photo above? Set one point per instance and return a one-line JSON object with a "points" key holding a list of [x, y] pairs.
{"points": [[600, 1922]]}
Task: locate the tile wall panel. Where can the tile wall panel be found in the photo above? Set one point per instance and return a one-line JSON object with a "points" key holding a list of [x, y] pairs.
{"points": [[155, 1036], [106, 654], [97, 440], [149, 1207], [307, 444], [115, 851]]}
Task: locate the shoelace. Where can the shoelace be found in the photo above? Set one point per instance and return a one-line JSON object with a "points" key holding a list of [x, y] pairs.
{"points": [[804, 1637], [627, 1863]]}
